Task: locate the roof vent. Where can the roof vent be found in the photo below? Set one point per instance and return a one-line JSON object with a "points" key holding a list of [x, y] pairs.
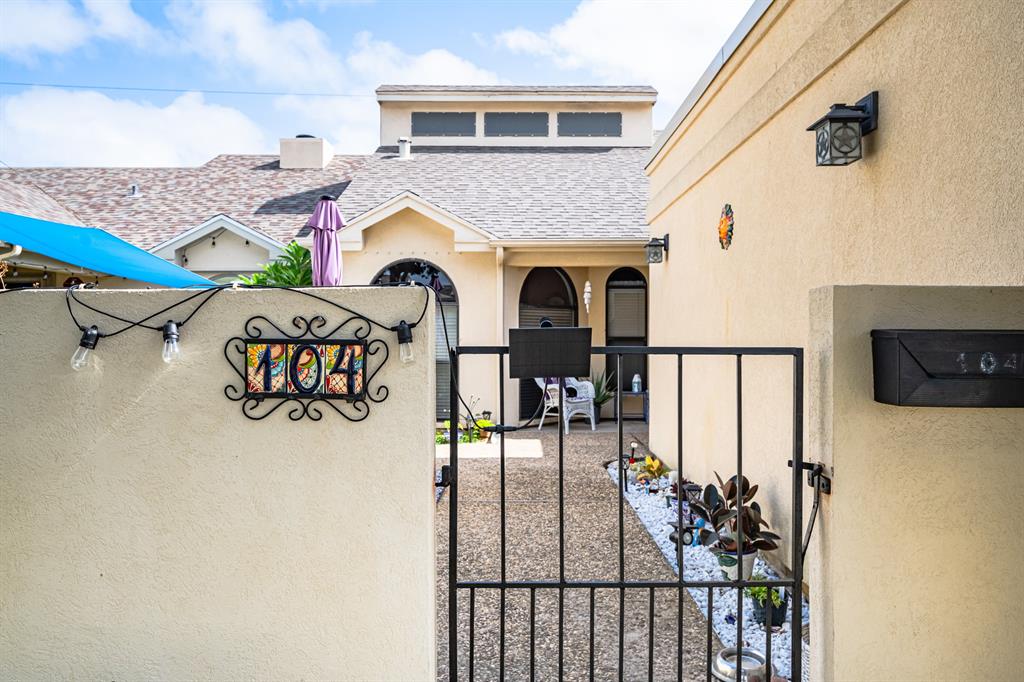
{"points": [[305, 151], [405, 147], [134, 190]]}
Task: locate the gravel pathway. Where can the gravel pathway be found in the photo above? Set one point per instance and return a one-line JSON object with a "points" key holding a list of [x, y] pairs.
{"points": [[591, 552]]}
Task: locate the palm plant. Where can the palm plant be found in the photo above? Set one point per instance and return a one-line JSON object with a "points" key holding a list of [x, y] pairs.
{"points": [[293, 268]]}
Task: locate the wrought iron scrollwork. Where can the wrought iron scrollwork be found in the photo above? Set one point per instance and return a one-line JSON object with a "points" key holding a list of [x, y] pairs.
{"points": [[313, 330]]}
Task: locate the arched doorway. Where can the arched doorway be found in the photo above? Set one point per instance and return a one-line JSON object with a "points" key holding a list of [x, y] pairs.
{"points": [[424, 272], [626, 323], [548, 298]]}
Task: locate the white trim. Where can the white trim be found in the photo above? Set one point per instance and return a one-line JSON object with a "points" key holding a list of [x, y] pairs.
{"points": [[630, 243], [167, 250], [467, 236], [753, 15]]}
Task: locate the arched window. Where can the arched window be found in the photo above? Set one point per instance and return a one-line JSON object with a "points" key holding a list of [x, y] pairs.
{"points": [[626, 322], [426, 273], [548, 298]]}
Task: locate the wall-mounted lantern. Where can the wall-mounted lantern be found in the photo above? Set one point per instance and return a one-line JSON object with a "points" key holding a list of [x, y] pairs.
{"points": [[656, 249], [837, 134]]}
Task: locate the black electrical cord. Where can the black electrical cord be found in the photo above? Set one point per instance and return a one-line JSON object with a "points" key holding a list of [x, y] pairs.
{"points": [[209, 293]]}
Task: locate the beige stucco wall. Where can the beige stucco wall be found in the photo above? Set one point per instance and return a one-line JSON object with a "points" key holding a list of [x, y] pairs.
{"points": [[927, 205], [409, 235], [148, 530], [232, 253], [915, 561], [637, 131]]}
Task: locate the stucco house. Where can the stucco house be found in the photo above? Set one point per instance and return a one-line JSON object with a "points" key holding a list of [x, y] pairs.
{"points": [[905, 579], [516, 203]]}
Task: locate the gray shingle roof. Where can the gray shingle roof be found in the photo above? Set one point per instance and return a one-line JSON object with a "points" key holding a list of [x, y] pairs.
{"points": [[513, 193], [251, 189], [31, 201]]}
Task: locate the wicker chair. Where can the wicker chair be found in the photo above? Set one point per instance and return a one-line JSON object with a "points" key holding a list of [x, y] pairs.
{"points": [[581, 403]]}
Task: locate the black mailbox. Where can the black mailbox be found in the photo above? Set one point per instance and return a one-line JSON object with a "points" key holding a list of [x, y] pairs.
{"points": [[948, 368]]}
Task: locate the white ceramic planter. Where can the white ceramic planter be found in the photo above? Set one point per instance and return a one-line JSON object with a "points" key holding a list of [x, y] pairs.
{"points": [[730, 565]]}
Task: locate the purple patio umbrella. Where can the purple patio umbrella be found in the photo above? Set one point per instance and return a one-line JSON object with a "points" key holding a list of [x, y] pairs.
{"points": [[326, 221]]}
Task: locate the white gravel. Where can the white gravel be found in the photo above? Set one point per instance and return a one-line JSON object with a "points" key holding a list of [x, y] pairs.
{"points": [[701, 564]]}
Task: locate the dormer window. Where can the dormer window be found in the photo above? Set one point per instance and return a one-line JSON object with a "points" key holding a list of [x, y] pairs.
{"points": [[443, 124], [589, 124], [516, 124]]}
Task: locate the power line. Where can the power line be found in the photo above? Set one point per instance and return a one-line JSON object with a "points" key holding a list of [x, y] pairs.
{"points": [[264, 93]]}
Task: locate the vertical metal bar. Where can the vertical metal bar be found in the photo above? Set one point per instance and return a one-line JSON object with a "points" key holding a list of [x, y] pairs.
{"points": [[768, 633], [501, 450], [591, 634], [453, 521], [533, 633], [650, 635], [710, 634], [796, 662], [739, 516], [679, 515], [472, 633], [562, 425], [622, 522]]}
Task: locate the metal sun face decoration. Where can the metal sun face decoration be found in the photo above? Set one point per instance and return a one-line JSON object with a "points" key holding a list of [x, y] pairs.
{"points": [[725, 225]]}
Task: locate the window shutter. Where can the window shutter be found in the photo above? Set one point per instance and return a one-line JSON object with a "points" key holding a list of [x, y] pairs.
{"points": [[627, 314]]}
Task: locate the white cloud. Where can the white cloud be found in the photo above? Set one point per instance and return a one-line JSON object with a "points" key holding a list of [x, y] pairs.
{"points": [[29, 28], [639, 42], [243, 40], [115, 20], [35, 130], [352, 123]]}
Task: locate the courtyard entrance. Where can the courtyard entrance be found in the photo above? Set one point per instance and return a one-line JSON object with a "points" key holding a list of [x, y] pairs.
{"points": [[547, 573]]}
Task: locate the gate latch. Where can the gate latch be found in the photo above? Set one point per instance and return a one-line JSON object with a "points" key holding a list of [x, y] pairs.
{"points": [[816, 477]]}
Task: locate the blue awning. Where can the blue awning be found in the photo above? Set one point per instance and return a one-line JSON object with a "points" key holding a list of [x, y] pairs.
{"points": [[94, 249]]}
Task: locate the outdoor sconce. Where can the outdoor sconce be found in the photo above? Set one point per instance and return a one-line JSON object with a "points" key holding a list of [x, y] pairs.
{"points": [[587, 294], [837, 134], [656, 249]]}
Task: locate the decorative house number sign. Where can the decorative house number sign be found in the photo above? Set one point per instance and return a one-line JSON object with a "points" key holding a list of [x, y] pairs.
{"points": [[308, 369], [331, 369]]}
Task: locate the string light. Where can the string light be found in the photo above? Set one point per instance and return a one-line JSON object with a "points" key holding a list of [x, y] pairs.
{"points": [[171, 330], [172, 351], [90, 336], [404, 341]]}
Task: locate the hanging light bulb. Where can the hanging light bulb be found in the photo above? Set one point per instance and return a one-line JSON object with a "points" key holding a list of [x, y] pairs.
{"points": [[172, 351], [90, 335], [404, 341]]}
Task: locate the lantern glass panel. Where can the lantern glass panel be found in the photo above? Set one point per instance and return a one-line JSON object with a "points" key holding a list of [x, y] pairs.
{"points": [[846, 143], [654, 253]]}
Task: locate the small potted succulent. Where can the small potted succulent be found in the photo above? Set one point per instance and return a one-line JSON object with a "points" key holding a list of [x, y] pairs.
{"points": [[760, 595], [722, 519], [604, 391]]}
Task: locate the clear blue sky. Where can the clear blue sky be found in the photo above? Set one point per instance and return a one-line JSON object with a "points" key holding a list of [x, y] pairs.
{"points": [[305, 46]]}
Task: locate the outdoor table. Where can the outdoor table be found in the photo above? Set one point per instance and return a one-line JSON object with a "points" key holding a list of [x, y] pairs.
{"points": [[646, 411]]}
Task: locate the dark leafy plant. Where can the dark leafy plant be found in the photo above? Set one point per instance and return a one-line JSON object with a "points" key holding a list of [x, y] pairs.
{"points": [[293, 268], [604, 388], [718, 507]]}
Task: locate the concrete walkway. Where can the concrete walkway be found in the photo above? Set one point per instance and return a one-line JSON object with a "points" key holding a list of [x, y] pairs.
{"points": [[591, 553]]}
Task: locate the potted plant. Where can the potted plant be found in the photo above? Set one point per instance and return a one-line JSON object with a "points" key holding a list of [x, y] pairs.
{"points": [[722, 518], [604, 390], [760, 595]]}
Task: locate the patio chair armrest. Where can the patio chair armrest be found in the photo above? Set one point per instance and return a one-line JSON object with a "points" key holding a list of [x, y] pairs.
{"points": [[584, 389]]}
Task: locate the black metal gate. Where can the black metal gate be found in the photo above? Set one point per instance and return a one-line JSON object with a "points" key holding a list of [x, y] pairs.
{"points": [[469, 588]]}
